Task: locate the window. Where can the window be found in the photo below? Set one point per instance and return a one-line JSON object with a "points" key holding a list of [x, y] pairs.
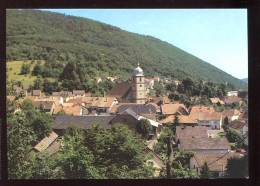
{"points": [[140, 85], [140, 79]]}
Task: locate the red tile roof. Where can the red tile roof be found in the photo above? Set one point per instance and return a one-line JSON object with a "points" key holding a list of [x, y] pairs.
{"points": [[204, 144], [191, 132], [120, 89], [173, 108]]}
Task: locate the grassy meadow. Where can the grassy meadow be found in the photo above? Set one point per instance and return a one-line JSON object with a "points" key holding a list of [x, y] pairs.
{"points": [[14, 68]]}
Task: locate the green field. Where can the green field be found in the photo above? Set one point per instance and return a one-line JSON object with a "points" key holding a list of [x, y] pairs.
{"points": [[14, 68]]}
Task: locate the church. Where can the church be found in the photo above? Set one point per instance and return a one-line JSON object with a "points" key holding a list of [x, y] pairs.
{"points": [[132, 91]]}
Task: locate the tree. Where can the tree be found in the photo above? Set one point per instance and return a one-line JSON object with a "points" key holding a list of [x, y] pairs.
{"points": [[237, 167], [159, 89], [75, 160], [205, 173], [144, 127], [25, 69], [177, 171], [45, 167], [225, 123], [37, 70], [27, 105], [37, 84], [70, 72], [42, 125], [118, 153], [19, 145], [235, 137]]}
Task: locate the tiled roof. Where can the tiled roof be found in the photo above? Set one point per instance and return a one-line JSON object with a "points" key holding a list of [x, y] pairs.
{"points": [[204, 143], [78, 92], [46, 142], [232, 99], [83, 122], [53, 148], [205, 116], [43, 104], [166, 100], [62, 93], [215, 161], [191, 132], [36, 92], [120, 89], [173, 108], [105, 102], [137, 108], [183, 119], [69, 109], [201, 109]]}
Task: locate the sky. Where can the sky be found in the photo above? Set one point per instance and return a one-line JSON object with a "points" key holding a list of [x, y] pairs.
{"points": [[217, 36]]}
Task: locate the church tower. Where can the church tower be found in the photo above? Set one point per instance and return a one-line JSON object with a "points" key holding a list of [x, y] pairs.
{"points": [[138, 86]]}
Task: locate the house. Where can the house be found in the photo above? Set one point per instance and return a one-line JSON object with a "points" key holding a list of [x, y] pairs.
{"points": [[72, 109], [37, 93], [63, 94], [19, 91], [53, 148], [217, 162], [139, 117], [231, 114], [139, 109], [95, 105], [173, 108], [62, 122], [44, 105], [232, 93], [102, 104], [166, 100], [204, 145], [132, 119], [46, 142], [209, 119], [121, 91], [229, 100], [184, 120], [191, 132], [197, 109], [128, 117], [78, 92], [216, 101]]}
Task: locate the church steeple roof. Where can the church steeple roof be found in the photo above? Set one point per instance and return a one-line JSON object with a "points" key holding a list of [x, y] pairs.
{"points": [[138, 71]]}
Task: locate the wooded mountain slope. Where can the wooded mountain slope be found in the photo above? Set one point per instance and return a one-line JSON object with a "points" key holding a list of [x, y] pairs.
{"points": [[103, 49]]}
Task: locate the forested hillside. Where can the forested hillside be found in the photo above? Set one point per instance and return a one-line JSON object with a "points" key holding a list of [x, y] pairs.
{"points": [[98, 49]]}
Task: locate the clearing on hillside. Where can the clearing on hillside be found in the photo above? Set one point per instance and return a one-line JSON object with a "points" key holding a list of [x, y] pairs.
{"points": [[14, 68]]}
